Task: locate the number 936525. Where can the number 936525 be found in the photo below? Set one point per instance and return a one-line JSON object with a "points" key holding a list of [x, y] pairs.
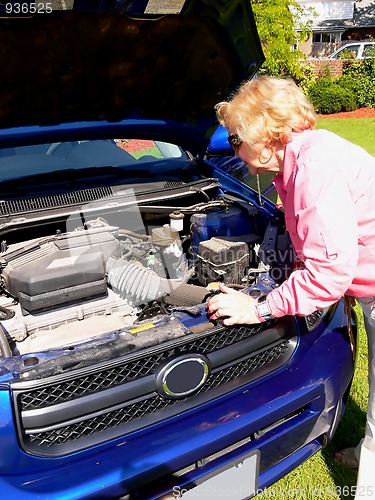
{"points": [[28, 8]]}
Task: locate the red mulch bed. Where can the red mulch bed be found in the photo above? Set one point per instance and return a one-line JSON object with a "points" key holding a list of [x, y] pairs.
{"points": [[358, 113], [133, 145]]}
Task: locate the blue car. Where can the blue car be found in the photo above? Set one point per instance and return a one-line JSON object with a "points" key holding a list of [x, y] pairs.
{"points": [[122, 207]]}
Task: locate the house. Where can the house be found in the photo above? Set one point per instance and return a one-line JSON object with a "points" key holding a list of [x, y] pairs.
{"points": [[336, 23]]}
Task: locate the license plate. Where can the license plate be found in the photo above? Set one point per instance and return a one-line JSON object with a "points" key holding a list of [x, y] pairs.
{"points": [[237, 481]]}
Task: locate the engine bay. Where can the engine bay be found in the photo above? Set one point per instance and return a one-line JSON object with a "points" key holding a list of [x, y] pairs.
{"points": [[113, 268]]}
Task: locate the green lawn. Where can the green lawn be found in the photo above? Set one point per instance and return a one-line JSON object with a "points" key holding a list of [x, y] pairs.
{"points": [[358, 130], [320, 476]]}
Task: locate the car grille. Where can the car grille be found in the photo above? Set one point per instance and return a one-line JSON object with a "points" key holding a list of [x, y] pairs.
{"points": [[138, 410], [86, 429], [132, 370]]}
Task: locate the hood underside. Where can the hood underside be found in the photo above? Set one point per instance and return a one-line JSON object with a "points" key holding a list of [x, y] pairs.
{"points": [[74, 65]]}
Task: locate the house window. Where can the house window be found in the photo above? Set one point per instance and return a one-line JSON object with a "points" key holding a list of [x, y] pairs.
{"points": [[326, 37]]}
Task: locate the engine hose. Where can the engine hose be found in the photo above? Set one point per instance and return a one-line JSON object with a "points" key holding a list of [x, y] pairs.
{"points": [[4, 344], [139, 283], [186, 295]]}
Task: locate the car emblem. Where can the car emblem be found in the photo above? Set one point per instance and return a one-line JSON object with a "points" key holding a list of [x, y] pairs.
{"points": [[182, 376]]}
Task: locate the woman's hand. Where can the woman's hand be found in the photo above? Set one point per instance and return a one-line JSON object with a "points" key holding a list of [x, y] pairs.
{"points": [[232, 306]]}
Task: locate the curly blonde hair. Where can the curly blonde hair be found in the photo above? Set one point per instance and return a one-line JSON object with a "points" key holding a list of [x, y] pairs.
{"points": [[266, 109]]}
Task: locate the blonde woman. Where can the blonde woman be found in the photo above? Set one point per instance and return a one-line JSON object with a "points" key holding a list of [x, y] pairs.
{"points": [[327, 188]]}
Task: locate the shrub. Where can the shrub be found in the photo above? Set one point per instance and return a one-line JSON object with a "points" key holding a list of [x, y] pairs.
{"points": [[357, 87], [363, 75], [366, 93], [328, 96], [349, 83], [364, 67]]}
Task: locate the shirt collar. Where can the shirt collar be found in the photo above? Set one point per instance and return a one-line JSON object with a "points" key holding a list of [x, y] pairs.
{"points": [[292, 152]]}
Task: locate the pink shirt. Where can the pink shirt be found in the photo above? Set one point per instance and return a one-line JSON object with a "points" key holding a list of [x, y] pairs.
{"points": [[328, 192]]}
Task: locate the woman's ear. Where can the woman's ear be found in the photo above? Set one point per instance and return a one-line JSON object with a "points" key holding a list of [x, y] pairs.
{"points": [[266, 154]]}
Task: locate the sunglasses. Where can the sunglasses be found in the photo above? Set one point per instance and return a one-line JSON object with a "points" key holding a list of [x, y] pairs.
{"points": [[235, 142]]}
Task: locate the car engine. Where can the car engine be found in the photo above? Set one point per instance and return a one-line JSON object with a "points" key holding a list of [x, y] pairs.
{"points": [[98, 277]]}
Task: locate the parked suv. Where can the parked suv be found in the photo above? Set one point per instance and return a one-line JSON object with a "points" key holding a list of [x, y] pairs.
{"points": [[357, 50], [121, 208]]}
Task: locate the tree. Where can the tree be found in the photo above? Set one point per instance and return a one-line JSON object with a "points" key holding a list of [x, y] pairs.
{"points": [[281, 24]]}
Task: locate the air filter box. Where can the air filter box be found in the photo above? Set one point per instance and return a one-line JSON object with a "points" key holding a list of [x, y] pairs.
{"points": [[222, 259]]}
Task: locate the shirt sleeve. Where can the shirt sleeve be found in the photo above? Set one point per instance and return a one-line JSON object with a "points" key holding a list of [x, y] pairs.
{"points": [[325, 236]]}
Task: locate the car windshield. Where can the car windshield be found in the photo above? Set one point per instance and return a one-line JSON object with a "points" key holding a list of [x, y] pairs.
{"points": [[50, 158]]}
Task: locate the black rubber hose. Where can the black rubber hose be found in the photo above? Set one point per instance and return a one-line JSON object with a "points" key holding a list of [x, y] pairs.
{"points": [[186, 295], [4, 344]]}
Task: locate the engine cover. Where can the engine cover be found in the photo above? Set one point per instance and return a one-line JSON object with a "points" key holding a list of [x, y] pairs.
{"points": [[59, 270]]}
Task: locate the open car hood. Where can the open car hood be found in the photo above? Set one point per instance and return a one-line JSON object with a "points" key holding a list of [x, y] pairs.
{"points": [[127, 59]]}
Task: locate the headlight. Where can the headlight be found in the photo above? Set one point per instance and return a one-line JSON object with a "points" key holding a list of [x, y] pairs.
{"points": [[314, 319]]}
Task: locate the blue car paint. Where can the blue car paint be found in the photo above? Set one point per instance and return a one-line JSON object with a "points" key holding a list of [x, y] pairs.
{"points": [[219, 142]]}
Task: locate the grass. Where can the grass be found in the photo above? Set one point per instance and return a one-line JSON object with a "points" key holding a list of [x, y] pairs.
{"points": [[320, 476], [357, 130]]}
